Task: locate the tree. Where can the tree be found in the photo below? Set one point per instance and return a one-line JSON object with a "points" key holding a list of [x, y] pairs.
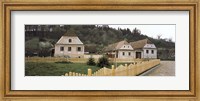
{"points": [[44, 48], [170, 39], [91, 61], [103, 62], [136, 31], [159, 36]]}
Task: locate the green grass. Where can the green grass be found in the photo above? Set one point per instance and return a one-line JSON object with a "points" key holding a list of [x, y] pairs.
{"points": [[56, 69]]}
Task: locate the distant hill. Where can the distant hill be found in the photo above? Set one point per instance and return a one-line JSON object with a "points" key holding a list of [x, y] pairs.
{"points": [[94, 37]]}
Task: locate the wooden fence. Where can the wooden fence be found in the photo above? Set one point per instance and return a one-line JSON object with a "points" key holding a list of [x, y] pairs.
{"points": [[74, 74], [55, 59], [75, 60], [132, 69]]}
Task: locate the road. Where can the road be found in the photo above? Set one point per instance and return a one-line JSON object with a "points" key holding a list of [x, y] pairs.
{"points": [[166, 68]]}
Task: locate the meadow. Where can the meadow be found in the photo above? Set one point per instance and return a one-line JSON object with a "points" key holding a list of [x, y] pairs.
{"points": [[57, 68]]}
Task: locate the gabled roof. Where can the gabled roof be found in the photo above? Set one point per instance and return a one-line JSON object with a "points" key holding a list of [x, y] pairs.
{"points": [[70, 32], [135, 45], [115, 46], [69, 35], [140, 44], [64, 40]]}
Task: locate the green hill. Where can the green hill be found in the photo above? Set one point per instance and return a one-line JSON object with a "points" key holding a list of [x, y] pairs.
{"points": [[94, 37]]}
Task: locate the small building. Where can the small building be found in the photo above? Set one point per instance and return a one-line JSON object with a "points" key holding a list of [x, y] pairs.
{"points": [[69, 45], [144, 49], [138, 49], [121, 49]]}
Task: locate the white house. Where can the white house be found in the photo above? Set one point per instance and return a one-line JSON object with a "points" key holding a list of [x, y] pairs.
{"points": [[69, 45], [144, 49], [138, 49], [120, 49]]}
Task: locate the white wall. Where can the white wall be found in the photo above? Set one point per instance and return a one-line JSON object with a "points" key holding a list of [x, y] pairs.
{"points": [[93, 56], [126, 55], [65, 40], [150, 54], [127, 47], [149, 46], [72, 53]]}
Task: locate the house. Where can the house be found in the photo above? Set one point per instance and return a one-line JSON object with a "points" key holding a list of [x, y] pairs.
{"points": [[121, 49], [138, 49], [144, 49], [69, 45]]}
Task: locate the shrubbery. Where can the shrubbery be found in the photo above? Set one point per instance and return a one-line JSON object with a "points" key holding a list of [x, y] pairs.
{"points": [[103, 62], [91, 61]]}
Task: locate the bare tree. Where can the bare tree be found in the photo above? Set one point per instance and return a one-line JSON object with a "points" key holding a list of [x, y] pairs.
{"points": [[159, 36], [136, 31], [170, 39]]}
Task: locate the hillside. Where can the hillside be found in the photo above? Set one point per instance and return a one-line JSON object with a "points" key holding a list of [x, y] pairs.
{"points": [[94, 37]]}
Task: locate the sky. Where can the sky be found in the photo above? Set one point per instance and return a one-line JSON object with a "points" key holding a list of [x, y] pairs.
{"points": [[167, 31]]}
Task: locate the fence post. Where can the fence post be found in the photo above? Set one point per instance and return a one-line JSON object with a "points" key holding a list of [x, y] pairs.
{"points": [[89, 72], [126, 69], [66, 74], [113, 70], [70, 73], [74, 74], [104, 71]]}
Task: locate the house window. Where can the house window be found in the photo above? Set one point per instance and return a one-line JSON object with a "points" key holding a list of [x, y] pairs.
{"points": [[69, 48], [123, 53], [61, 48], [70, 40], [147, 51], [124, 46], [79, 49], [152, 52], [129, 53]]}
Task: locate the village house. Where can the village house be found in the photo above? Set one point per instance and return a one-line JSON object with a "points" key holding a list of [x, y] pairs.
{"points": [[120, 49], [69, 45], [138, 49], [144, 49]]}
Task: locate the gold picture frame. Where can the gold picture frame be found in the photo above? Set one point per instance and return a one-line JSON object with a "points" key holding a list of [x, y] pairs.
{"points": [[20, 5]]}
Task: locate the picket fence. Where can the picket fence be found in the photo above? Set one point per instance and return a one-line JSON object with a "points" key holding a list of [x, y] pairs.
{"points": [[74, 60], [132, 69]]}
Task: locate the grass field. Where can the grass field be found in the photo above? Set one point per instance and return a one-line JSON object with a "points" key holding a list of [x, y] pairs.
{"points": [[57, 69]]}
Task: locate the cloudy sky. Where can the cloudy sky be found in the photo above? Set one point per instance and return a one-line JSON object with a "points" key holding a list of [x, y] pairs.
{"points": [[167, 31]]}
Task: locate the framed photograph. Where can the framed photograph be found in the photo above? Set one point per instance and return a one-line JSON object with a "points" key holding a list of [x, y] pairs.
{"points": [[99, 49]]}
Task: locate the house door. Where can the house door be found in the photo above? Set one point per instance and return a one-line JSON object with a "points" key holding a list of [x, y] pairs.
{"points": [[138, 55]]}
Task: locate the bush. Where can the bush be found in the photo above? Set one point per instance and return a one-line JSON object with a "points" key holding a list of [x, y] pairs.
{"points": [[103, 62], [64, 62], [91, 61]]}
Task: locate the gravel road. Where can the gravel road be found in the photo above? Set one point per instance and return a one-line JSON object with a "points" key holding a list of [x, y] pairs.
{"points": [[166, 68]]}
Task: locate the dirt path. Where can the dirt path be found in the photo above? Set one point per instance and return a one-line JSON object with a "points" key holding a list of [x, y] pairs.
{"points": [[166, 68]]}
